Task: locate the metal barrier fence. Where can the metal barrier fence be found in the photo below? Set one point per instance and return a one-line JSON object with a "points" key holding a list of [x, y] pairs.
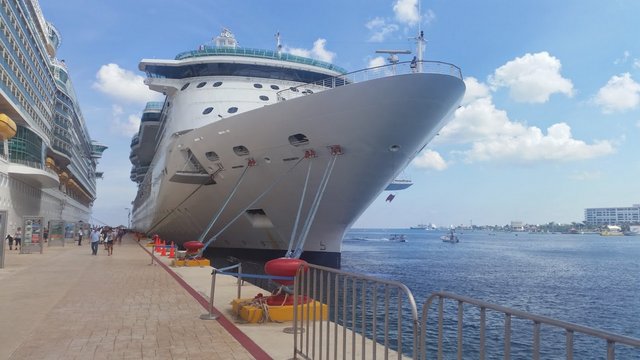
{"points": [[358, 321], [536, 321]]}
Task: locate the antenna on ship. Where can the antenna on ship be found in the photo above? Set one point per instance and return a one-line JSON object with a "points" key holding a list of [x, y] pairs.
{"points": [[278, 44], [226, 39], [420, 42], [393, 57]]}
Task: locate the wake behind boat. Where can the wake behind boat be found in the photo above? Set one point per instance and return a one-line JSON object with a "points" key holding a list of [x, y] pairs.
{"points": [[263, 153]]}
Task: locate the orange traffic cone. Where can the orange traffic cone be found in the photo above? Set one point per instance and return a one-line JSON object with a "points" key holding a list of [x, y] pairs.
{"points": [[163, 251], [157, 244], [172, 251]]}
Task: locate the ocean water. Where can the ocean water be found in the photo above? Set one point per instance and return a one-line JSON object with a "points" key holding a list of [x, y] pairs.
{"points": [[589, 280]]}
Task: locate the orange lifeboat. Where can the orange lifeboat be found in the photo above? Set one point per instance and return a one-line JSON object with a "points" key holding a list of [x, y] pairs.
{"points": [[8, 127]]}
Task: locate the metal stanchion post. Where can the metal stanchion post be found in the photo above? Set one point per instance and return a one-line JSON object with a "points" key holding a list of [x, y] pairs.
{"points": [[239, 279], [210, 315]]}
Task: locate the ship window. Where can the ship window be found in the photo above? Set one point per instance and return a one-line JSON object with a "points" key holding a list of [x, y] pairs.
{"points": [[241, 150], [184, 86], [264, 98], [293, 89], [202, 84], [207, 110], [217, 83], [232, 110], [275, 87], [298, 139], [257, 86], [212, 156]]}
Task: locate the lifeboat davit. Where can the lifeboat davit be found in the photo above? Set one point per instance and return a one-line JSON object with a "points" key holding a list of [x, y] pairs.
{"points": [[284, 267], [8, 128]]}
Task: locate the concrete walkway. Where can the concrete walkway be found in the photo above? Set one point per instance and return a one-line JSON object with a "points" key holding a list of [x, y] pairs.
{"points": [[68, 304]]}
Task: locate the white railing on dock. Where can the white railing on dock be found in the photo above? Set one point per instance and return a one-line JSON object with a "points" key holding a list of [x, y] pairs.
{"points": [[357, 305], [609, 339]]}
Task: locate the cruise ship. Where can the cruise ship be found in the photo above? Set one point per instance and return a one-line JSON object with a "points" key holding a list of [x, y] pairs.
{"points": [[261, 154], [47, 158]]}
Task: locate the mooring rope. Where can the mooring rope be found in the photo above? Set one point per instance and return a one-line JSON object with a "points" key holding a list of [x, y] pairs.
{"points": [[304, 192], [314, 207], [274, 183], [224, 205]]}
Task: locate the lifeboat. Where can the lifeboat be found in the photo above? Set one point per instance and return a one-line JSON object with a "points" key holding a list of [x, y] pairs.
{"points": [[284, 267], [8, 127]]}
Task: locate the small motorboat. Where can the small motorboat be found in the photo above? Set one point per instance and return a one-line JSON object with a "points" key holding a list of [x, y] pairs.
{"points": [[451, 238]]}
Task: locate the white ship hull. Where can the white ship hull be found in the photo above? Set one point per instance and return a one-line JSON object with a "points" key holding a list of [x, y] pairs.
{"points": [[380, 125]]}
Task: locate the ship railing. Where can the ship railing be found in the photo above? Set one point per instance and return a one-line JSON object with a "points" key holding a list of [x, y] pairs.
{"points": [[449, 341], [400, 68], [357, 321]]}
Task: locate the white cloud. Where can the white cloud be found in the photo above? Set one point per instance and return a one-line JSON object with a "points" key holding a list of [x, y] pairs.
{"points": [[406, 11], [532, 146], [380, 29], [429, 16], [317, 52], [492, 136], [126, 127], [475, 90], [124, 85], [586, 175], [532, 78], [624, 58], [621, 93], [636, 63], [377, 61], [429, 159]]}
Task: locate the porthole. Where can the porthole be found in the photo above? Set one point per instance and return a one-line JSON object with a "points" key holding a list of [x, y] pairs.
{"points": [[241, 150], [184, 86], [212, 156], [257, 86], [207, 110], [275, 87], [232, 110], [264, 98], [217, 83], [298, 139], [202, 84], [293, 89]]}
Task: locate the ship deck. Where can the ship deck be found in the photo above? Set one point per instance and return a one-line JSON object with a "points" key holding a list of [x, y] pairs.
{"points": [[68, 304]]}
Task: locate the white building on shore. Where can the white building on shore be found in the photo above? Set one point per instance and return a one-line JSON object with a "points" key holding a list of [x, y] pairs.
{"points": [[612, 215]]}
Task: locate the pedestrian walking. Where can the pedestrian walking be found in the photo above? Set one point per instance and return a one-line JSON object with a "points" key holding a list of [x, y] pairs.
{"points": [[80, 237], [109, 240], [45, 234], [17, 238], [95, 241], [10, 238]]}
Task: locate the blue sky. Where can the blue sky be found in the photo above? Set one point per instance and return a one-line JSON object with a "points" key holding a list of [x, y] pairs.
{"points": [[550, 124]]}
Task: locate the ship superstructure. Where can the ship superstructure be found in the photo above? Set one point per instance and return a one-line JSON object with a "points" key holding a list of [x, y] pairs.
{"points": [[260, 152], [48, 164]]}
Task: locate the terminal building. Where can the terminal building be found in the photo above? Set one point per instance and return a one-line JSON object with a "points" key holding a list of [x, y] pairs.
{"points": [[612, 216], [47, 158]]}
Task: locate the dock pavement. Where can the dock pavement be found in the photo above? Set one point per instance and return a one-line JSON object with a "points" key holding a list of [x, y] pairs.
{"points": [[68, 304]]}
